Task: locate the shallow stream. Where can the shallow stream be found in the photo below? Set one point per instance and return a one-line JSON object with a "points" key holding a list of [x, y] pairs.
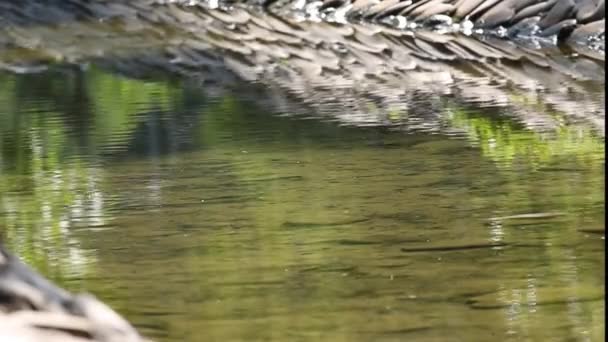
{"points": [[208, 214]]}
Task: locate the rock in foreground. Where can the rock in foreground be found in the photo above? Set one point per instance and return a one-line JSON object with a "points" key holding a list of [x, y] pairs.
{"points": [[32, 309]]}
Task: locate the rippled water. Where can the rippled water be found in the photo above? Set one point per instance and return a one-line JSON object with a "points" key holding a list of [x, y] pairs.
{"points": [[205, 215]]}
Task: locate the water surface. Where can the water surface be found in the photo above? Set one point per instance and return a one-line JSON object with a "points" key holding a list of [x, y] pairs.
{"points": [[205, 215]]}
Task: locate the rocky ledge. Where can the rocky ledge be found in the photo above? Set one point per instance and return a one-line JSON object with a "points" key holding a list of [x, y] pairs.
{"points": [[578, 22], [357, 73]]}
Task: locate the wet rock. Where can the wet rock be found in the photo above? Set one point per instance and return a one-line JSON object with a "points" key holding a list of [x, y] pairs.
{"points": [[587, 32], [312, 61], [525, 27], [465, 7], [560, 29], [559, 12], [498, 15], [393, 9], [380, 7], [481, 9], [590, 11], [415, 4], [555, 16], [33, 309], [443, 9], [532, 10]]}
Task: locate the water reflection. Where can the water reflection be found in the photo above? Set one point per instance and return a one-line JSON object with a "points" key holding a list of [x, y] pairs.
{"points": [[55, 129], [507, 142], [202, 215], [357, 74]]}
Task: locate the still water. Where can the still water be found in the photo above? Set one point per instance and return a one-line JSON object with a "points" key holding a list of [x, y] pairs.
{"points": [[205, 216]]}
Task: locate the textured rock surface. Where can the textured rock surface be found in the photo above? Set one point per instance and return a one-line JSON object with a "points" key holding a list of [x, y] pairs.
{"points": [[507, 18], [356, 73]]}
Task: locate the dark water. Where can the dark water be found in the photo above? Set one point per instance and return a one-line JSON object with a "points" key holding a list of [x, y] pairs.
{"points": [[202, 215]]}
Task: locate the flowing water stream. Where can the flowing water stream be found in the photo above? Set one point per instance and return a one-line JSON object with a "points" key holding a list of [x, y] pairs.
{"points": [[206, 214]]}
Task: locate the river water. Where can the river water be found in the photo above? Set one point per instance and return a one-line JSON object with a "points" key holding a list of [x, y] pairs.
{"points": [[206, 215]]}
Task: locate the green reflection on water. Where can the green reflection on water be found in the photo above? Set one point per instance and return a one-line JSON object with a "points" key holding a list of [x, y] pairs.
{"points": [[271, 228], [505, 142], [51, 178], [117, 99]]}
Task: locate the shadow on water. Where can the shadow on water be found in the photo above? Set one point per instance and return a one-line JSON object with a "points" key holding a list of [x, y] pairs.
{"points": [[203, 206]]}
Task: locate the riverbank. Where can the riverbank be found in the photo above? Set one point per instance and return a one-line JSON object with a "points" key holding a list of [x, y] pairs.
{"points": [[560, 21], [303, 62]]}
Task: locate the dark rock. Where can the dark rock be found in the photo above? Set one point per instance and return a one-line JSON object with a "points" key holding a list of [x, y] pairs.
{"points": [[561, 29], [532, 10], [559, 12], [590, 11]]}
